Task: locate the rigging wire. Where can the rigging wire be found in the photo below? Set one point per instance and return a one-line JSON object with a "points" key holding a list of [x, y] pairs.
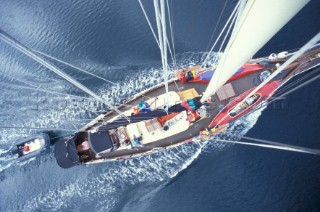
{"points": [[72, 66], [46, 91], [165, 40], [188, 32], [172, 34], [154, 35], [295, 56], [17, 79], [286, 91], [115, 121], [258, 107], [14, 43], [162, 35], [298, 87], [225, 37], [219, 19], [37, 128], [177, 86], [300, 82], [146, 16], [242, 5], [222, 31], [143, 118], [303, 149], [287, 148], [164, 28], [157, 16]]}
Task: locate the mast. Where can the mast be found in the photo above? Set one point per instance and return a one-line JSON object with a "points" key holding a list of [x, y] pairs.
{"points": [[157, 15], [165, 54], [162, 37], [259, 21]]}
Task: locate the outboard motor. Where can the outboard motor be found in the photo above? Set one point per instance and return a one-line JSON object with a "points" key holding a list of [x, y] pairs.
{"points": [[14, 150]]}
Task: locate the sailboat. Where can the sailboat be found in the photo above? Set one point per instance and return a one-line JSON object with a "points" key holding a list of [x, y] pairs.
{"points": [[199, 102]]}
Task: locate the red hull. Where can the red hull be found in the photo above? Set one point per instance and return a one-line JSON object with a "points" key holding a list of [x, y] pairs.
{"points": [[245, 70], [224, 116]]}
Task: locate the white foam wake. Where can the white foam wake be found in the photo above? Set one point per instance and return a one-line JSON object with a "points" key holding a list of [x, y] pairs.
{"points": [[108, 181], [82, 186]]}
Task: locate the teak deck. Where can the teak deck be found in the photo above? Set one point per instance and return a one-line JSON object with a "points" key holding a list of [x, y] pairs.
{"points": [[307, 61]]}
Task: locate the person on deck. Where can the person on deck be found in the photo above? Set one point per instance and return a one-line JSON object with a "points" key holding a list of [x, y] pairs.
{"points": [[135, 111], [144, 107], [122, 139], [83, 146], [136, 142]]}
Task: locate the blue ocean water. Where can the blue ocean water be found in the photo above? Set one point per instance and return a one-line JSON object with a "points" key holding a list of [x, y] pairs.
{"points": [[112, 39]]}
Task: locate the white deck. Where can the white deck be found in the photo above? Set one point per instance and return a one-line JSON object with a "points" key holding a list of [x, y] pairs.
{"points": [[176, 125], [158, 102], [139, 129], [181, 124]]}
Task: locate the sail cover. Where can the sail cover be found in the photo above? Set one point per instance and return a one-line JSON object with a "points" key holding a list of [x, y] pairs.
{"points": [[100, 141], [66, 153], [259, 21]]}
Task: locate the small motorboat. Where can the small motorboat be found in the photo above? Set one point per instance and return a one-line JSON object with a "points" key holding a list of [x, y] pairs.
{"points": [[30, 147]]}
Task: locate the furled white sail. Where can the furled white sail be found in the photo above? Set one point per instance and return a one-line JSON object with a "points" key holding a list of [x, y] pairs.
{"points": [[259, 21]]}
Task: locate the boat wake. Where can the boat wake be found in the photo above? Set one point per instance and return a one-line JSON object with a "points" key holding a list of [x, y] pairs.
{"points": [[6, 160], [100, 186], [104, 184]]}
